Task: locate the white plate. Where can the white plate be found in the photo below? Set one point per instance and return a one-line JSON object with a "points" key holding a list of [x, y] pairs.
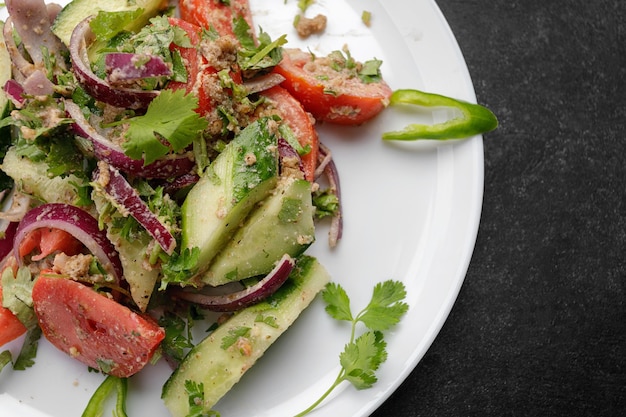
{"points": [[411, 213]]}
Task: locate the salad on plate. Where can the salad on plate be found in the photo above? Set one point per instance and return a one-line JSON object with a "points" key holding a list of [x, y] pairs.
{"points": [[162, 171]]}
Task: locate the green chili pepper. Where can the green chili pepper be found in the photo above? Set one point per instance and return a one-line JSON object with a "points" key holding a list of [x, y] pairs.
{"points": [[474, 119], [95, 407]]}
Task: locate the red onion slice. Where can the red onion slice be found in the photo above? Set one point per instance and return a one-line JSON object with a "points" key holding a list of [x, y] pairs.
{"points": [[332, 174], [124, 66], [263, 82], [14, 92], [76, 222], [97, 87], [244, 298], [6, 243], [107, 151], [118, 189]]}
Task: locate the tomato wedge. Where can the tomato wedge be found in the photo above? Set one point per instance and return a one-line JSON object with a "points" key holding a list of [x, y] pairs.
{"points": [[49, 240], [216, 14], [328, 94], [300, 123], [93, 328], [10, 326]]}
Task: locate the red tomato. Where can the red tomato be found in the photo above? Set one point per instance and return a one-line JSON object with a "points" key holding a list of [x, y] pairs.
{"points": [[193, 64], [352, 102], [216, 14], [93, 328], [49, 240], [10, 326], [300, 122]]}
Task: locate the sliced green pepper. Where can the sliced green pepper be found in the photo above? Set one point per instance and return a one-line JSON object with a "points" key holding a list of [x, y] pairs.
{"points": [[474, 119], [95, 407]]}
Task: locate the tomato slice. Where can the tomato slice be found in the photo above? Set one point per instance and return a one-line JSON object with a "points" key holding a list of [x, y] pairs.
{"points": [[93, 328], [329, 95], [49, 240], [216, 14], [300, 123], [10, 326], [194, 64]]}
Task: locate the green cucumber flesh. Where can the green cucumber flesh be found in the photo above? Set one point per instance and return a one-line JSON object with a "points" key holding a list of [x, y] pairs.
{"points": [[281, 224], [219, 365], [242, 175], [133, 255], [78, 10], [5, 73]]}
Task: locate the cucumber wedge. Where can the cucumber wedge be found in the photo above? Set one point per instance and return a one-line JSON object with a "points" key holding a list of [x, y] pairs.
{"points": [[32, 178], [242, 175], [218, 364], [282, 224], [78, 10], [5, 73], [133, 256]]}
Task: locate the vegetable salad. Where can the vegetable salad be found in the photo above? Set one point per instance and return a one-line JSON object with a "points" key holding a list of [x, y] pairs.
{"points": [[149, 155]]}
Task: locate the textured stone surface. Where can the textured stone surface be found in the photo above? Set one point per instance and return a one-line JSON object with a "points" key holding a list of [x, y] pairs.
{"points": [[539, 327]]}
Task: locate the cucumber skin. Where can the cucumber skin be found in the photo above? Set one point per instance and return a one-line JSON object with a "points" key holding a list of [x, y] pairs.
{"points": [[265, 237], [78, 10], [32, 178], [5, 73], [219, 369], [228, 190]]}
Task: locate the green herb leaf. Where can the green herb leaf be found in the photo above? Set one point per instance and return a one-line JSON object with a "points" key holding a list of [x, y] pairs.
{"points": [[233, 336], [195, 392], [362, 358], [337, 302], [16, 295], [28, 352], [386, 308], [363, 355], [108, 24], [170, 117]]}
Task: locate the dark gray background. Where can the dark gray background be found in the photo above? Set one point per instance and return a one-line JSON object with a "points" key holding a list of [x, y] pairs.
{"points": [[539, 328]]}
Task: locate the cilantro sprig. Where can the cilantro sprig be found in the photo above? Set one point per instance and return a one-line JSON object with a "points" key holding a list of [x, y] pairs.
{"points": [[170, 123], [363, 355]]}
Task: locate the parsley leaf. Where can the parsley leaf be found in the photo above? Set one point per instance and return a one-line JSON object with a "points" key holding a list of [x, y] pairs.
{"points": [[363, 355], [170, 118]]}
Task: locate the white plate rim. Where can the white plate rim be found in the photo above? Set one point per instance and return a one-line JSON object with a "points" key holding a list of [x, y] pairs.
{"points": [[446, 73]]}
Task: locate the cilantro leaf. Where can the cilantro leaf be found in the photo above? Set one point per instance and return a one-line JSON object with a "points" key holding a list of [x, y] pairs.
{"points": [[108, 24], [195, 392], [26, 357], [386, 306], [17, 295], [363, 355], [337, 302], [170, 118], [251, 56], [361, 359]]}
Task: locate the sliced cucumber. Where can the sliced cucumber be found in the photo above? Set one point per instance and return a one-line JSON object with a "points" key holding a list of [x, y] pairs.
{"points": [[78, 10], [5, 73], [282, 224], [242, 175], [133, 256], [32, 178], [218, 364]]}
